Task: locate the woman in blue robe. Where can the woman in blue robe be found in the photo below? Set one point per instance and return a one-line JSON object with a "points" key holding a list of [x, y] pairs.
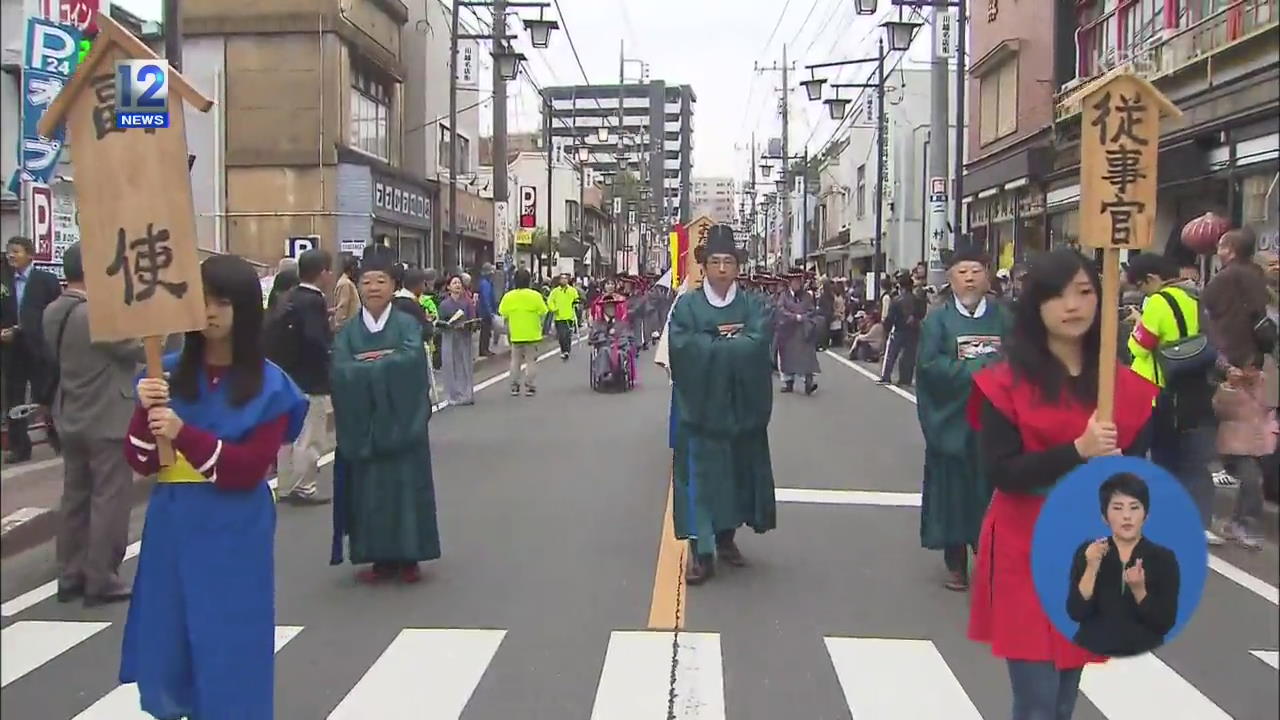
{"points": [[199, 640]]}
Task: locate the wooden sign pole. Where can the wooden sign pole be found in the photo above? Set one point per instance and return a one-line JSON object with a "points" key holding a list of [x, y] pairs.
{"points": [[1110, 309], [1119, 155], [153, 346]]}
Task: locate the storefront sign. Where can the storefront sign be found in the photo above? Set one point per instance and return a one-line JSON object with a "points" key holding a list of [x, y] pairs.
{"points": [[52, 53], [944, 33], [468, 65], [396, 202], [528, 206], [475, 216], [79, 14], [40, 220], [1119, 144]]}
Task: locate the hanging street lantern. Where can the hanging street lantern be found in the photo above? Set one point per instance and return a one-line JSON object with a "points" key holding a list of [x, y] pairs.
{"points": [[584, 153], [865, 7], [900, 33], [602, 133], [540, 31], [813, 87], [508, 63], [837, 107]]}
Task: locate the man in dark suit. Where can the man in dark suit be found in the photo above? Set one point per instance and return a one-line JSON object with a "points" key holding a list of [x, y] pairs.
{"points": [[91, 407], [27, 292]]}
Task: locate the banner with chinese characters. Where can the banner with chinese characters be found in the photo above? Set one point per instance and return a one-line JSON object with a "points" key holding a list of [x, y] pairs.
{"points": [[50, 57], [1119, 148]]}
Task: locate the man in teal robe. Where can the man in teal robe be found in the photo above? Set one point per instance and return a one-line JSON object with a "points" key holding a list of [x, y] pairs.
{"points": [[957, 339], [720, 339], [384, 495]]}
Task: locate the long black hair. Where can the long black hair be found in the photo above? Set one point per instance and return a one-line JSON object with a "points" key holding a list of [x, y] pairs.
{"points": [[231, 278], [1048, 275]]}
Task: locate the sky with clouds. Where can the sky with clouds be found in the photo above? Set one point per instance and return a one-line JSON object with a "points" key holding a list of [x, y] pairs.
{"points": [[712, 45]]}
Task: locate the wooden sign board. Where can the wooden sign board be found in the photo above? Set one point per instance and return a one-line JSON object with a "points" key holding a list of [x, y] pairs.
{"points": [[697, 230], [133, 187], [1119, 152]]}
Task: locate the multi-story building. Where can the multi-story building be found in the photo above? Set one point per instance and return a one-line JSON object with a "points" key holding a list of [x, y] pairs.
{"points": [[325, 123], [1215, 60], [715, 197], [655, 142], [843, 219], [1218, 62]]}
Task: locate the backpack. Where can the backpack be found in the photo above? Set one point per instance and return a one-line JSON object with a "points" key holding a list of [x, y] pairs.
{"points": [[1185, 364], [282, 334]]}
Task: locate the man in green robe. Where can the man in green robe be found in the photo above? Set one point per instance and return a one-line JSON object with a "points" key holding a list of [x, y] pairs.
{"points": [[957, 339], [722, 381], [384, 495]]}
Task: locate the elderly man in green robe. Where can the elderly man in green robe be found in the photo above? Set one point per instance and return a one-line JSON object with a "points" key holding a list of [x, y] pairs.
{"points": [[384, 497], [722, 381], [957, 339]]}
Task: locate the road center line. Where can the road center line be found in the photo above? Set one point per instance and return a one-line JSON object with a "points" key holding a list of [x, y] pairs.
{"points": [[49, 589], [1253, 584], [666, 608]]}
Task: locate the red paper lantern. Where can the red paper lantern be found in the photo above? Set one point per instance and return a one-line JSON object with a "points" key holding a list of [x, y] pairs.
{"points": [[1201, 234]]}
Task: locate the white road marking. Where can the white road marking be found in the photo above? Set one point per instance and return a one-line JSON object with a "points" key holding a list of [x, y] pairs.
{"points": [[1270, 657], [422, 673], [870, 375], [886, 678], [49, 589], [123, 703], [1253, 584], [636, 677], [11, 472], [1144, 687], [25, 646], [20, 517], [847, 497]]}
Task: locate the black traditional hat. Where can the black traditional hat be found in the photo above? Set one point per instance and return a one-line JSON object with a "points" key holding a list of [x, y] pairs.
{"points": [[379, 258], [969, 253], [795, 273], [720, 241]]}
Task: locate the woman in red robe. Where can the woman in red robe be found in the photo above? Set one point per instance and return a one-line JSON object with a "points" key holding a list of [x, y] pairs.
{"points": [[1034, 413]]}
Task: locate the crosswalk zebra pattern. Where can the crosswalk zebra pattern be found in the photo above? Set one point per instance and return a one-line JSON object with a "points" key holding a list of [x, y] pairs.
{"points": [[433, 673]]}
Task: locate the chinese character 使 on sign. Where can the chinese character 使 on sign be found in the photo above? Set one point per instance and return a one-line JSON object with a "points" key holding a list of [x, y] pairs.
{"points": [[134, 191], [1120, 146]]}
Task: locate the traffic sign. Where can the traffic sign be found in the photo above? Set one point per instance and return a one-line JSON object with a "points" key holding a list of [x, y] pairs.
{"points": [[295, 246]]}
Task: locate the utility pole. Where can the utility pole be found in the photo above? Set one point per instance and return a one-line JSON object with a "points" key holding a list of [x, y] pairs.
{"points": [[881, 176], [173, 33], [751, 188], [939, 154], [962, 22], [501, 194], [784, 195], [453, 138], [546, 113]]}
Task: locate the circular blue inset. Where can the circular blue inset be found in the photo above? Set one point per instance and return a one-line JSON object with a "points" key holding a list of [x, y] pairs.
{"points": [[1071, 515]]}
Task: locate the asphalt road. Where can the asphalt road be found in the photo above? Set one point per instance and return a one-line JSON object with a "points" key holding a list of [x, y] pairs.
{"points": [[554, 570]]}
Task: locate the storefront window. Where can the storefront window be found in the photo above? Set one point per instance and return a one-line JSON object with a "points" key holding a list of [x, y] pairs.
{"points": [[370, 114], [464, 150], [1064, 229], [1258, 206]]}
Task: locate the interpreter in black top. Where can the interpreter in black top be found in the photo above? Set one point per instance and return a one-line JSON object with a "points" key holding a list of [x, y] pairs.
{"points": [[1124, 588]]}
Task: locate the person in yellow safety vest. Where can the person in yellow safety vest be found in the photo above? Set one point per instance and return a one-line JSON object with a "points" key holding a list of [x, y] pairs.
{"points": [[1183, 437], [563, 303], [523, 309]]}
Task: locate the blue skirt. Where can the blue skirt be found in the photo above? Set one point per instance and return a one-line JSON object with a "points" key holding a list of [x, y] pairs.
{"points": [[200, 637]]}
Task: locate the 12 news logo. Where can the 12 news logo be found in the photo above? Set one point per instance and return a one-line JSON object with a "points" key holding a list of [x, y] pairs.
{"points": [[142, 94]]}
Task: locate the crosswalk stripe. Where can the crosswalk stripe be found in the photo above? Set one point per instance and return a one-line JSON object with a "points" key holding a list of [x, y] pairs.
{"points": [[25, 646], [123, 702], [1270, 657], [422, 673], [1143, 686], [898, 678], [635, 681]]}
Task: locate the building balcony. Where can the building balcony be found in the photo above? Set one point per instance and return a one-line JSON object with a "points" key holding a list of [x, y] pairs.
{"points": [[1155, 40]]}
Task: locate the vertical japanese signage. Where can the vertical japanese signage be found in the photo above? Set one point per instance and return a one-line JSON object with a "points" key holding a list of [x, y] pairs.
{"points": [[134, 195], [1120, 145], [528, 207], [468, 65], [944, 33], [50, 57]]}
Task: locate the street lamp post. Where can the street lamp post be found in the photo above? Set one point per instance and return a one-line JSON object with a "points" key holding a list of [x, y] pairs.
{"points": [[506, 68]]}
